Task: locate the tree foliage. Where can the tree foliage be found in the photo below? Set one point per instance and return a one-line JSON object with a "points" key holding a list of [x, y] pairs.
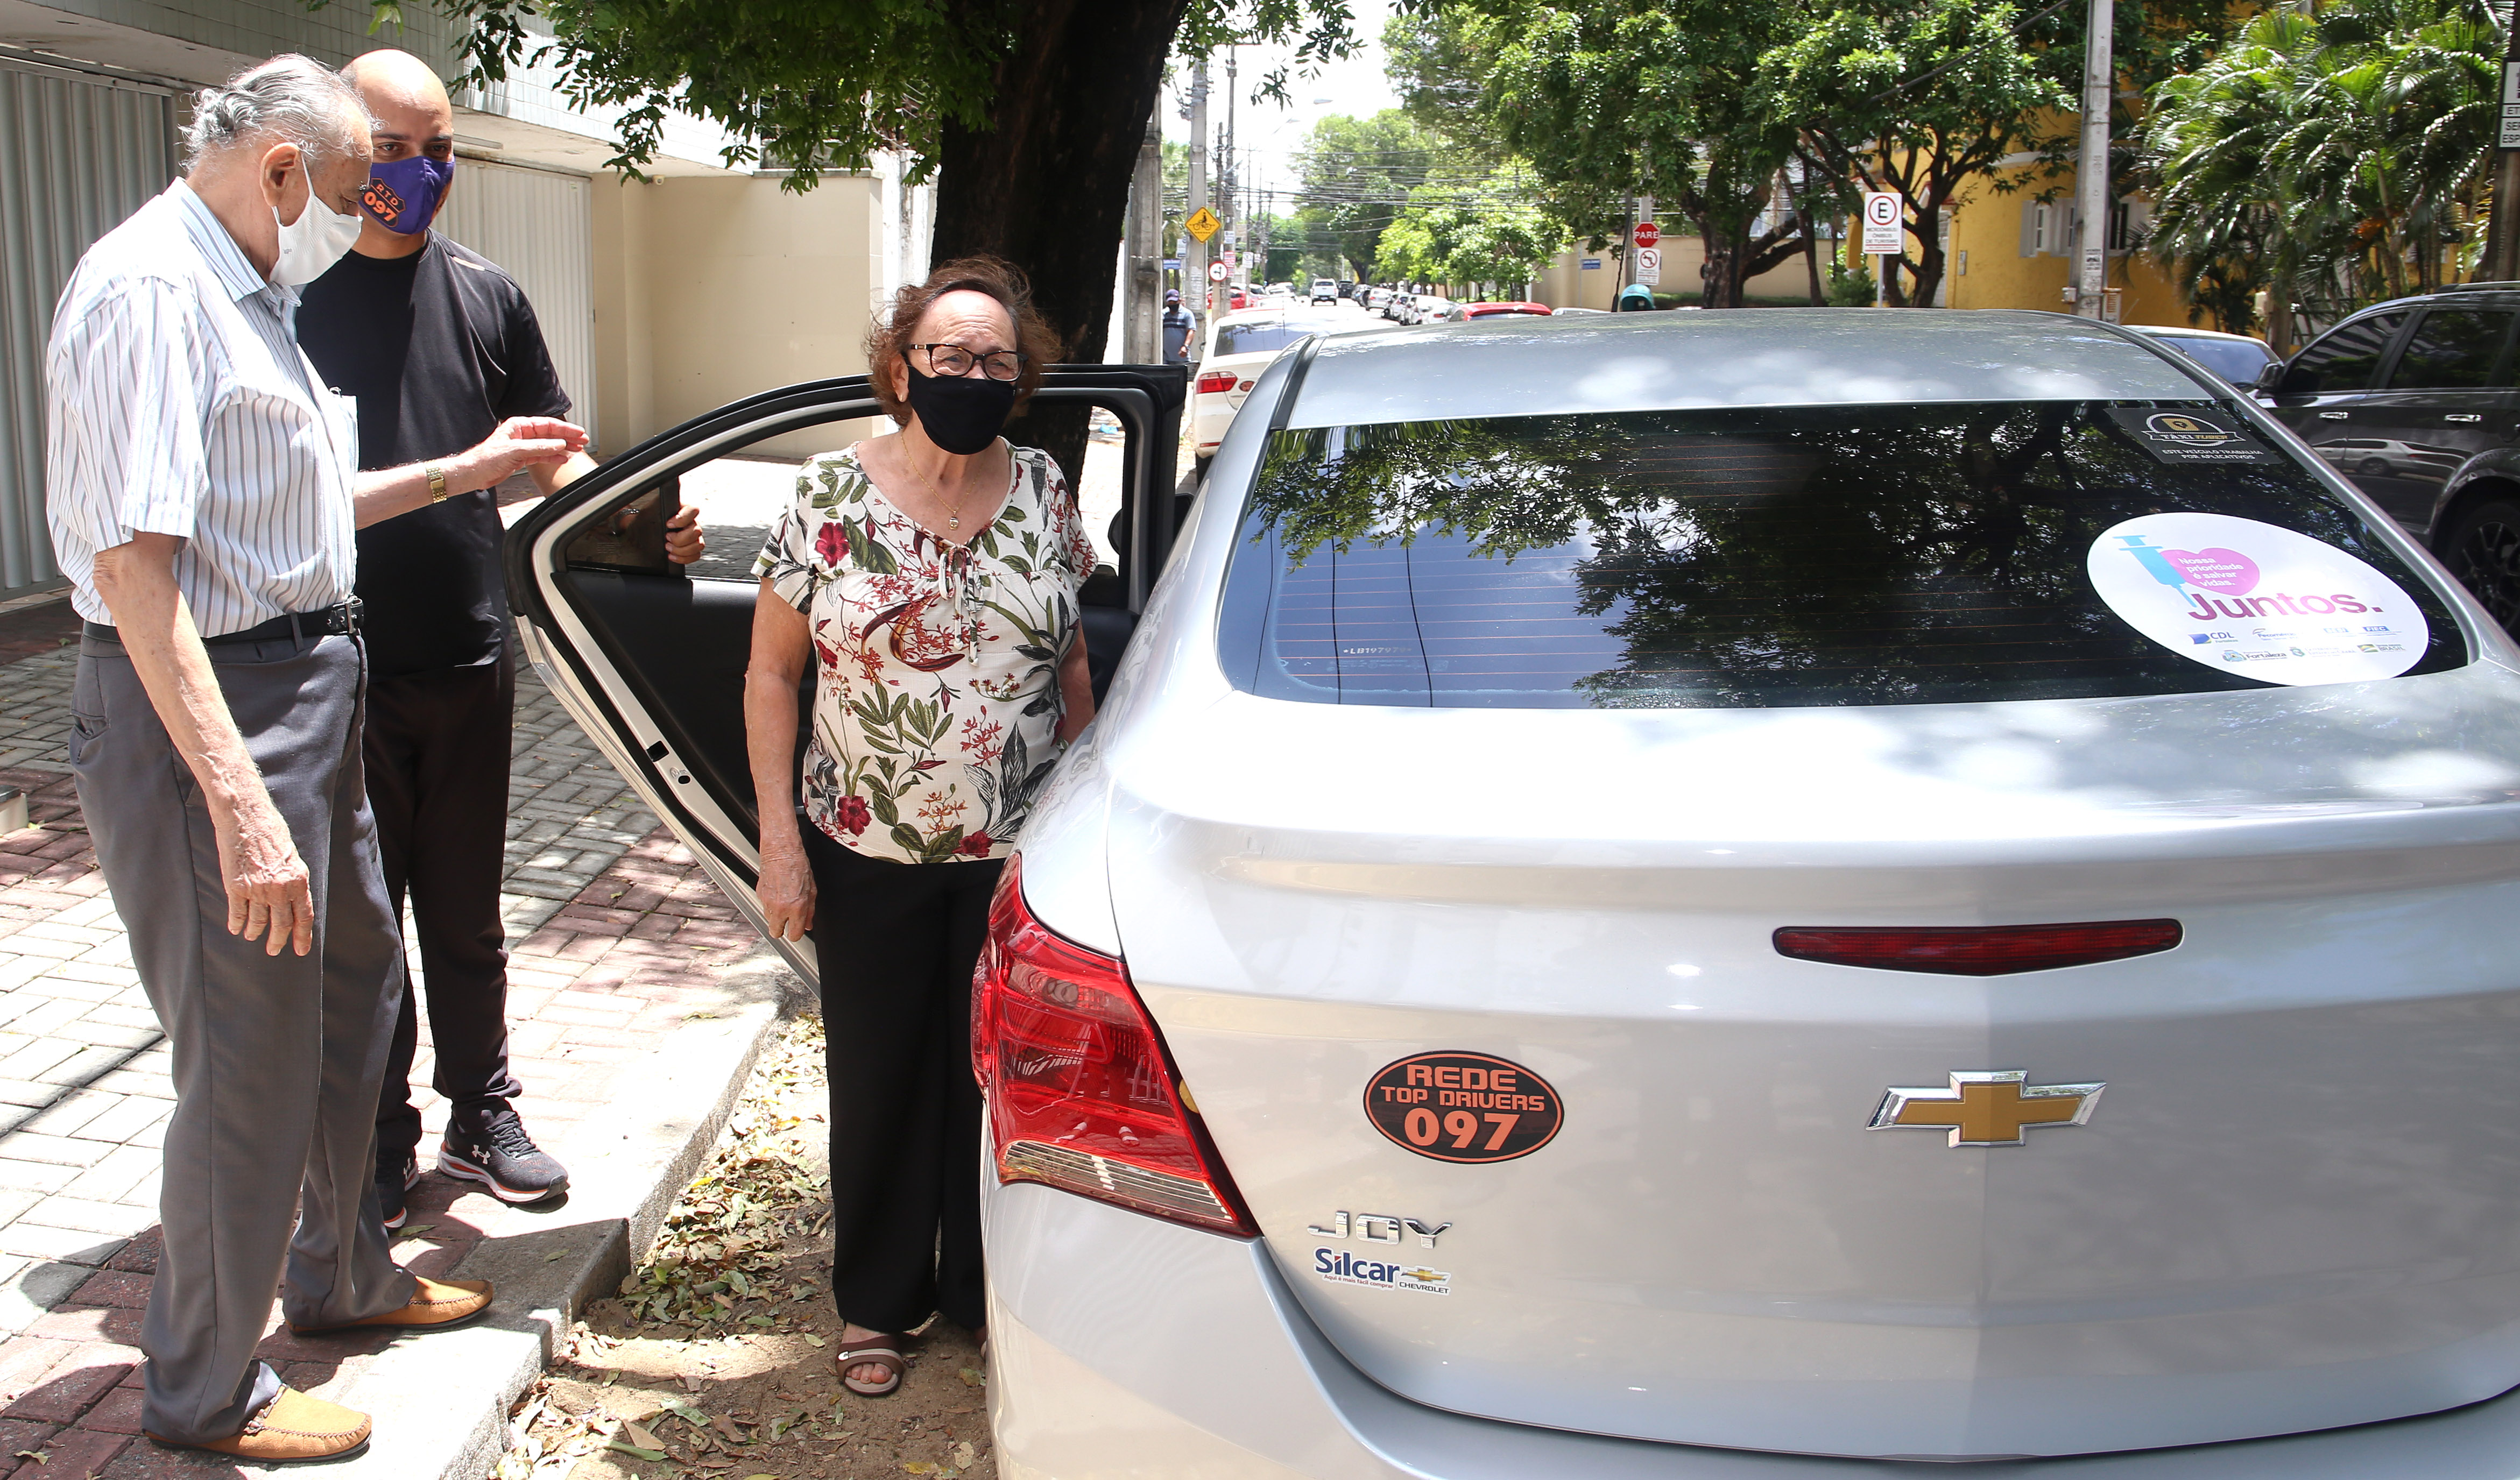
{"points": [[1357, 177], [811, 85], [1614, 98], [1492, 231], [2329, 155]]}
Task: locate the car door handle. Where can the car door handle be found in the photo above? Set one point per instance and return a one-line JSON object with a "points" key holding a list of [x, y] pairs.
{"points": [[2331, 415], [2463, 416]]}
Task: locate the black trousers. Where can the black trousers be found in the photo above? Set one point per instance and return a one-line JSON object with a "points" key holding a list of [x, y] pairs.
{"points": [[437, 747], [897, 944]]}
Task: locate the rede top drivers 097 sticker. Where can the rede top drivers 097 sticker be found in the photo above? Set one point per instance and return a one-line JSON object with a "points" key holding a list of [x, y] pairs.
{"points": [[2256, 600], [1459, 1106]]}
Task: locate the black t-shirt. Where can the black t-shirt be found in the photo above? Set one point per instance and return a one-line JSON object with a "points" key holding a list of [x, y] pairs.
{"points": [[439, 348]]}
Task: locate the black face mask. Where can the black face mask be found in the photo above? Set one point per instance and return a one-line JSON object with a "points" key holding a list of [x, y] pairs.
{"points": [[962, 414]]}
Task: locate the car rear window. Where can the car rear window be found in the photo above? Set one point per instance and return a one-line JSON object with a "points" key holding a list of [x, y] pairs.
{"points": [[1257, 339], [1726, 558]]}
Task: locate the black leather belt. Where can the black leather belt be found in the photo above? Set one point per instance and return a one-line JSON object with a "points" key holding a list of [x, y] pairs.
{"points": [[333, 622]]}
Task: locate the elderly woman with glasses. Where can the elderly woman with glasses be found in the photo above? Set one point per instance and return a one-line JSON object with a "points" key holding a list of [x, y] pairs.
{"points": [[929, 575]]}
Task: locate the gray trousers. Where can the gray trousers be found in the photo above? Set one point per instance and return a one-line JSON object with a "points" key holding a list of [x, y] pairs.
{"points": [[277, 1058]]}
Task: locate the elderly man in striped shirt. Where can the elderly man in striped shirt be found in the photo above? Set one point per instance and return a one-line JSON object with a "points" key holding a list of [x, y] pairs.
{"points": [[203, 490]]}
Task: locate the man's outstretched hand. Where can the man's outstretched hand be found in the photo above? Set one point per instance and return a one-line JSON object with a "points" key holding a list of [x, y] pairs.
{"points": [[519, 442]]}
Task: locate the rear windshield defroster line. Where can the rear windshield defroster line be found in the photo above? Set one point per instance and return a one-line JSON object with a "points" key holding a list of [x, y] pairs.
{"points": [[1729, 559]]}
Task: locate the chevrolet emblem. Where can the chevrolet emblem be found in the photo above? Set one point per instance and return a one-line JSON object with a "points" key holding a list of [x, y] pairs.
{"points": [[1987, 1107]]}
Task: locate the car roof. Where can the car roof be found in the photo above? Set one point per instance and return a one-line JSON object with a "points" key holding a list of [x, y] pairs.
{"points": [[2190, 332], [1527, 365]]}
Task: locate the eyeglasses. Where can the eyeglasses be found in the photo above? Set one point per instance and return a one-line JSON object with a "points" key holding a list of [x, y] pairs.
{"points": [[955, 360]]}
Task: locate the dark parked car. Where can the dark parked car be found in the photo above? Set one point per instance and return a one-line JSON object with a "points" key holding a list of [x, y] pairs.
{"points": [[2417, 401]]}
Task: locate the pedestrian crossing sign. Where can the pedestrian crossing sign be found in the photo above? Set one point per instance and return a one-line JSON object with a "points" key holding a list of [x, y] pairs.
{"points": [[1202, 223]]}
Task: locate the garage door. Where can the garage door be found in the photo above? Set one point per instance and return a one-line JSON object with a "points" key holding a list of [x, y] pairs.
{"points": [[77, 154], [538, 225]]}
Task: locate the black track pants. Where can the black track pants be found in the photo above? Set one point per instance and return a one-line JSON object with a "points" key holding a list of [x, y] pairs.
{"points": [[437, 747]]}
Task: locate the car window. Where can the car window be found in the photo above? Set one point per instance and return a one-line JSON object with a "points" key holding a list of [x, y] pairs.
{"points": [[1255, 339], [2347, 359], [1729, 559], [2452, 349], [2237, 361]]}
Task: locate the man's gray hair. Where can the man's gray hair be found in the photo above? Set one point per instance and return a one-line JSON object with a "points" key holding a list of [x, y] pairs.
{"points": [[297, 98]]}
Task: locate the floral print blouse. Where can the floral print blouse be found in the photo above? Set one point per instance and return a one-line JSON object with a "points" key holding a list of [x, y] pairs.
{"points": [[936, 699]]}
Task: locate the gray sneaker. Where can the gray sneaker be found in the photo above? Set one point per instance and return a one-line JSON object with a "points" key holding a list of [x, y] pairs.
{"points": [[491, 1148]]}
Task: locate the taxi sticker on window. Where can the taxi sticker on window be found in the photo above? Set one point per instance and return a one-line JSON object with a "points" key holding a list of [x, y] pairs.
{"points": [[2192, 436], [2257, 600], [1462, 1106]]}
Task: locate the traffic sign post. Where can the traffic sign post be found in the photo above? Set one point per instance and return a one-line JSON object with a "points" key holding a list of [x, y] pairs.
{"points": [[1216, 270], [1649, 265], [1202, 223], [1646, 234], [1886, 230]]}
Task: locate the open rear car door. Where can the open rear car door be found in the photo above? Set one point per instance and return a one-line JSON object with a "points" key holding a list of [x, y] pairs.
{"points": [[648, 658]]}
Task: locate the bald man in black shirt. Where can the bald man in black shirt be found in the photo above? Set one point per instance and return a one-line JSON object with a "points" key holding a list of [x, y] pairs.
{"points": [[439, 345]]}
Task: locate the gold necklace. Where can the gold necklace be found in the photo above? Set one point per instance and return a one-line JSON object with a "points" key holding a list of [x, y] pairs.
{"points": [[954, 510]]}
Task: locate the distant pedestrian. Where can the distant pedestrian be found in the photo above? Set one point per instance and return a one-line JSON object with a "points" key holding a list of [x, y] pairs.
{"points": [[928, 578], [438, 346], [202, 494], [1180, 328]]}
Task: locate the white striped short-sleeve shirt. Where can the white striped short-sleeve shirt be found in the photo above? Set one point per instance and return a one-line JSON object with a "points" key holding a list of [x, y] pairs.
{"points": [[179, 403]]}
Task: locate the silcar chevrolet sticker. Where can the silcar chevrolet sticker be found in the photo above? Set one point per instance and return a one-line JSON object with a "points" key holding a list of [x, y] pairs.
{"points": [[1342, 1267]]}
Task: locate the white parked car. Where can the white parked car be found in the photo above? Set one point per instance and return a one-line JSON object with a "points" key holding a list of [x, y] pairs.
{"points": [[1640, 905], [1240, 346]]}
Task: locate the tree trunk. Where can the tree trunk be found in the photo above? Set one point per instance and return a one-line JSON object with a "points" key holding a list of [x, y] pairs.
{"points": [[1807, 224], [1720, 290], [1048, 187]]}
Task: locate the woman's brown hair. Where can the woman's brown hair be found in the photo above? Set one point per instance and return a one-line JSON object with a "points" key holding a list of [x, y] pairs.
{"points": [[890, 335]]}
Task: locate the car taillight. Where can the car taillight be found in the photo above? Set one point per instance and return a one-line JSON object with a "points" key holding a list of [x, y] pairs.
{"points": [[1215, 380], [1978, 950], [1081, 1095]]}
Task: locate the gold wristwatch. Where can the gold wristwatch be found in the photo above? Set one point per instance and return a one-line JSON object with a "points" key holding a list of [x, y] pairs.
{"points": [[436, 483]]}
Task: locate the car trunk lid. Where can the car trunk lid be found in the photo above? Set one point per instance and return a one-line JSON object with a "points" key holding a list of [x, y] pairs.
{"points": [[2292, 1206]]}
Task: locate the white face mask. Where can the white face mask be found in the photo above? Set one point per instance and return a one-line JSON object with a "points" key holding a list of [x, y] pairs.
{"points": [[319, 238]]}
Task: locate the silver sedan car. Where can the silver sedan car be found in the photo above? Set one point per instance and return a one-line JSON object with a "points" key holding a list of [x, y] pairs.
{"points": [[1732, 896]]}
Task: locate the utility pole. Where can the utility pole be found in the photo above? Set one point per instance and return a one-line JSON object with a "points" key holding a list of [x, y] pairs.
{"points": [[2091, 180], [2502, 262], [1195, 251], [1141, 331], [1232, 173]]}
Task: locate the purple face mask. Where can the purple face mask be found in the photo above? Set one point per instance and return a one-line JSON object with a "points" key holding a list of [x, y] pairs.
{"points": [[403, 195]]}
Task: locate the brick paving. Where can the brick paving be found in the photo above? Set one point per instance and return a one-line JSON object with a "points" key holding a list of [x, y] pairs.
{"points": [[616, 937]]}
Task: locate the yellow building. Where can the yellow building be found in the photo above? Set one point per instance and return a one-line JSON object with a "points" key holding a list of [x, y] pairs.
{"points": [[2009, 248]]}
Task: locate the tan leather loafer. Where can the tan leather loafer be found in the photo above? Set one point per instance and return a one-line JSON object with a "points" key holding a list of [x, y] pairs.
{"points": [[291, 1429], [437, 1305]]}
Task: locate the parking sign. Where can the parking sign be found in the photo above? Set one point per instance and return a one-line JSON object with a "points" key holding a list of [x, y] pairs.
{"points": [[1884, 227]]}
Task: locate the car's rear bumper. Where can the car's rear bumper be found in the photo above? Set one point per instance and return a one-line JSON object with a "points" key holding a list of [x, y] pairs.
{"points": [[1211, 414], [1125, 1346]]}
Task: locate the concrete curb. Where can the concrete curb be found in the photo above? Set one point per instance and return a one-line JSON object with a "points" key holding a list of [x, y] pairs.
{"points": [[440, 1402]]}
